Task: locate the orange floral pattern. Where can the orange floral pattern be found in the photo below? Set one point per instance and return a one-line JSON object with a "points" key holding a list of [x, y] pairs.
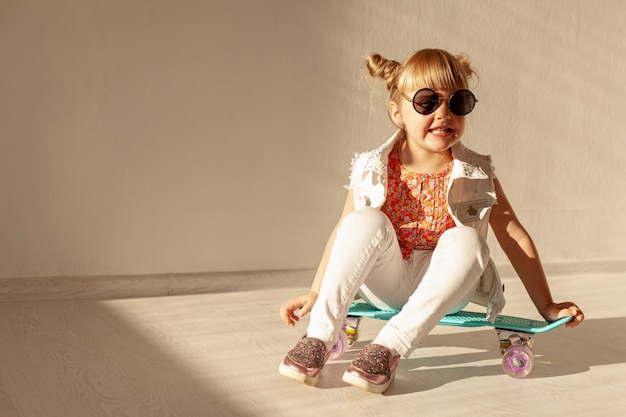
{"points": [[417, 206]]}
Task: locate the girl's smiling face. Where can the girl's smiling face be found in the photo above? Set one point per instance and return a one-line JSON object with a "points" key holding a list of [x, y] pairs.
{"points": [[436, 132]]}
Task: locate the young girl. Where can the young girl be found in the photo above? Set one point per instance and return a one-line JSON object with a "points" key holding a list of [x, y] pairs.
{"points": [[412, 235]]}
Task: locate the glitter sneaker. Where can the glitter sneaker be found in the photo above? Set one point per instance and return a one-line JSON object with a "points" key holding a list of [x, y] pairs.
{"points": [[373, 369], [304, 362]]}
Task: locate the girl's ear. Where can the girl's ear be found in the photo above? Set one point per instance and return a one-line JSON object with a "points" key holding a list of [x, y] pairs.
{"points": [[395, 114]]}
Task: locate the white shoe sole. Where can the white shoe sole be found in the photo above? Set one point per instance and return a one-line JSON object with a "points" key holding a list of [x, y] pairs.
{"points": [[364, 385], [297, 376]]}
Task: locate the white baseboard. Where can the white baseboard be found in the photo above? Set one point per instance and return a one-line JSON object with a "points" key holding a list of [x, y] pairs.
{"points": [[158, 285], [132, 286]]}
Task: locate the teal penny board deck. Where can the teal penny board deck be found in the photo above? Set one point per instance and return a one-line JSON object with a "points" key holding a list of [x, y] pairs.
{"points": [[467, 319]]}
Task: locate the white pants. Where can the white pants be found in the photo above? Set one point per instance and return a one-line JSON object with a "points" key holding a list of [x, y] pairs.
{"points": [[366, 259]]}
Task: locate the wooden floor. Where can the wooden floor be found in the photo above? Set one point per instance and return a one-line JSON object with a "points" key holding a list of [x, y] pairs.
{"points": [[215, 352]]}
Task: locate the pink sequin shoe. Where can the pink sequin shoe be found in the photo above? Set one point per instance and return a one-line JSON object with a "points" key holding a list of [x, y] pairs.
{"points": [[373, 369], [304, 362]]}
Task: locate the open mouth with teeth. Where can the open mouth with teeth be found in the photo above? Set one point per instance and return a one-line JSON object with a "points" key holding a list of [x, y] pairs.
{"points": [[441, 131]]}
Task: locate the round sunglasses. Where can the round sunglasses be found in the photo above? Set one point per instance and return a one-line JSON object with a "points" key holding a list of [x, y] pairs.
{"points": [[426, 101]]}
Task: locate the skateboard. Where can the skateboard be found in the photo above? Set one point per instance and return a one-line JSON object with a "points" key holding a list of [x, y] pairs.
{"points": [[515, 333]]}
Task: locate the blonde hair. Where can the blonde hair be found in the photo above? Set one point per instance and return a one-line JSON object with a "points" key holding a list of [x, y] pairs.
{"points": [[426, 68]]}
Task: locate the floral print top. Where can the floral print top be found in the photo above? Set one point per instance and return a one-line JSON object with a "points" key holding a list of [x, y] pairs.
{"points": [[416, 204]]}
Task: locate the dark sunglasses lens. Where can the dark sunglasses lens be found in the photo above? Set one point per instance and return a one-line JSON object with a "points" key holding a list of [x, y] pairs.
{"points": [[425, 101], [462, 102]]}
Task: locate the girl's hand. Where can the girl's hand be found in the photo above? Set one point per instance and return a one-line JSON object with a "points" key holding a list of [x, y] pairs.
{"points": [[554, 311], [303, 302]]}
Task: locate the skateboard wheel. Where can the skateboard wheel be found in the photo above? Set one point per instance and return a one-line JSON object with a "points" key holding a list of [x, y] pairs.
{"points": [[518, 361], [353, 335], [340, 346], [351, 327]]}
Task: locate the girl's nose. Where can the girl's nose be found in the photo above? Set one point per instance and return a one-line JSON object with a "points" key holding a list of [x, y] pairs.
{"points": [[443, 112]]}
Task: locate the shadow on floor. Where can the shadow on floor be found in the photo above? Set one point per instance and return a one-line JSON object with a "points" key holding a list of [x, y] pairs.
{"points": [[561, 352], [80, 359]]}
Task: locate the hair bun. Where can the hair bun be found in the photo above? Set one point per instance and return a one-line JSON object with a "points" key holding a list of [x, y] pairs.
{"points": [[386, 69]]}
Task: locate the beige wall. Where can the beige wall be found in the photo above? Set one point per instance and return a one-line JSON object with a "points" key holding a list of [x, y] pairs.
{"points": [[181, 136]]}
